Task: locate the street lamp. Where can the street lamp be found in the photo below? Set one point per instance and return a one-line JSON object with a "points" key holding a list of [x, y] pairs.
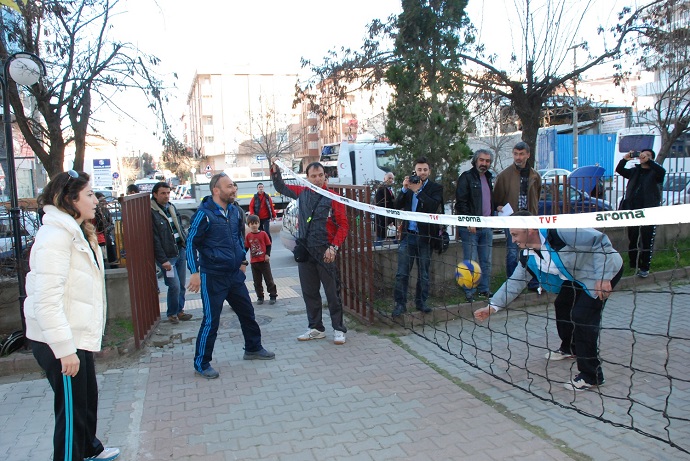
{"points": [[25, 69]]}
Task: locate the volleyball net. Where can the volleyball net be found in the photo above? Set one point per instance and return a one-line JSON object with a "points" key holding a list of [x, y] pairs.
{"points": [[644, 339]]}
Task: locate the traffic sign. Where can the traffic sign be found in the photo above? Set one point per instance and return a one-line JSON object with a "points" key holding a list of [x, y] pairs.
{"points": [[208, 168], [116, 175], [209, 174]]}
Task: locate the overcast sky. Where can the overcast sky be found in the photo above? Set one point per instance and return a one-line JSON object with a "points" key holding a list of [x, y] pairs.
{"points": [[272, 35]]}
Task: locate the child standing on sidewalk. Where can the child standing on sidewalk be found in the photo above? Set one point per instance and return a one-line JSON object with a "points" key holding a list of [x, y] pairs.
{"points": [[259, 245]]}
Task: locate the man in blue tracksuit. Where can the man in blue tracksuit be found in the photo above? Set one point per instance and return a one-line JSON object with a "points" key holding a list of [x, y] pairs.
{"points": [[580, 265], [216, 260]]}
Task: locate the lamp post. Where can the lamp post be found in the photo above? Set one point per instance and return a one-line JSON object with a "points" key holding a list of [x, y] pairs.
{"points": [[25, 69]]}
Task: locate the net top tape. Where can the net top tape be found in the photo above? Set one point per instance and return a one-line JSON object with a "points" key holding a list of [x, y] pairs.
{"points": [[675, 214]]}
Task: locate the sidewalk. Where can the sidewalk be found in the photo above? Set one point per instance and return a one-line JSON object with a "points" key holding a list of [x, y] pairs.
{"points": [[366, 400]]}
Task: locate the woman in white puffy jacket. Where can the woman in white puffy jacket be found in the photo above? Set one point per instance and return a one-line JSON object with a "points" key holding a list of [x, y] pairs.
{"points": [[65, 313]]}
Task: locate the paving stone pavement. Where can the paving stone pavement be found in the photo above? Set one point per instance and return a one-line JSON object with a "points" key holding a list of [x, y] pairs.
{"points": [[369, 399]]}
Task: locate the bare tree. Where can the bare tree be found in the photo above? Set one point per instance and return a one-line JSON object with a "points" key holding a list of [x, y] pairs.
{"points": [[663, 48], [270, 134], [536, 67], [86, 65]]}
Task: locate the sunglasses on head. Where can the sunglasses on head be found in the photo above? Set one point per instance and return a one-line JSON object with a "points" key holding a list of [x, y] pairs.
{"points": [[216, 178]]}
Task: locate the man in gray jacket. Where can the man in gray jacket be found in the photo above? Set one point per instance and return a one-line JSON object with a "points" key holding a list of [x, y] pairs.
{"points": [[169, 250], [580, 265]]}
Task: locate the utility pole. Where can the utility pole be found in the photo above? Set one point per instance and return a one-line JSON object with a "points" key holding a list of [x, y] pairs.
{"points": [[575, 134]]}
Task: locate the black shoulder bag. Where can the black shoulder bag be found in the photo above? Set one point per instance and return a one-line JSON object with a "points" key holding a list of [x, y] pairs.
{"points": [[301, 252]]}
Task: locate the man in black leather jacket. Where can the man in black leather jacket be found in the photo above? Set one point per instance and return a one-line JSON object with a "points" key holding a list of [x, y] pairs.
{"points": [[473, 198]]}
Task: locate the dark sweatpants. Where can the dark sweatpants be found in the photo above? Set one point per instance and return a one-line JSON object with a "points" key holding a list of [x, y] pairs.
{"points": [[640, 246], [75, 406], [313, 274], [578, 321], [262, 271], [214, 290]]}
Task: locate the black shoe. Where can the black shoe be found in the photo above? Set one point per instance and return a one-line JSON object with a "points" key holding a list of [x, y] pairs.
{"points": [[399, 310], [485, 294], [260, 301], [261, 354], [469, 298], [424, 309]]}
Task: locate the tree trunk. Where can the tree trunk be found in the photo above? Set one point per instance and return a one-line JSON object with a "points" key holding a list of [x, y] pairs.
{"points": [[528, 108]]}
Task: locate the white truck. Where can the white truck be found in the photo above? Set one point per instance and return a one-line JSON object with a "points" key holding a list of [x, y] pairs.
{"points": [[246, 188], [358, 163]]}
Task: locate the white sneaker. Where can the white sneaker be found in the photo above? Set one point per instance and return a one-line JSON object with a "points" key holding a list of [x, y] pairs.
{"points": [[311, 333], [338, 337], [558, 355], [108, 454]]}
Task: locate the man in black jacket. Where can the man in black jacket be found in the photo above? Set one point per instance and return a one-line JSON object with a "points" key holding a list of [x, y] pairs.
{"points": [[473, 198], [643, 191], [169, 250], [421, 194]]}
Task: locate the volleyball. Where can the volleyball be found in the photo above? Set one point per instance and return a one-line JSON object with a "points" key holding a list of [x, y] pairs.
{"points": [[467, 274]]}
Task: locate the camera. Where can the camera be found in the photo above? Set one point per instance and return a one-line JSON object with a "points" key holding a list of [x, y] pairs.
{"points": [[635, 154], [414, 179]]}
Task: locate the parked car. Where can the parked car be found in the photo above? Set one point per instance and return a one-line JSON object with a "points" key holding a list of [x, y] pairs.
{"points": [[553, 199], [288, 232], [676, 189], [589, 179], [553, 172], [28, 225]]}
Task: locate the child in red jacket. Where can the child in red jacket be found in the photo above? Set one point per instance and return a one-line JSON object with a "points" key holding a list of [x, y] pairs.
{"points": [[259, 245]]}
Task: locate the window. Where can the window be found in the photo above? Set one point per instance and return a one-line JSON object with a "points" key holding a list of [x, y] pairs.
{"points": [[208, 139], [636, 142], [386, 159], [207, 120]]}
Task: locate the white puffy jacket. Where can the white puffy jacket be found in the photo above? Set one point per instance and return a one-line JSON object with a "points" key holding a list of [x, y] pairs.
{"points": [[65, 305]]}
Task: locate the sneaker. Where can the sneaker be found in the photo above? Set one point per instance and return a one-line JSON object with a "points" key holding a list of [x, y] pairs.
{"points": [[338, 337], [173, 319], [469, 298], [578, 383], [424, 309], [259, 301], [312, 333], [272, 301], [399, 310], [261, 354], [208, 373], [558, 355], [108, 454], [184, 316], [643, 274], [485, 294]]}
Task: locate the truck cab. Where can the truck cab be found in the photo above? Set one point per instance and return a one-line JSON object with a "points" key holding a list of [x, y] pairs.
{"points": [[358, 163], [246, 188]]}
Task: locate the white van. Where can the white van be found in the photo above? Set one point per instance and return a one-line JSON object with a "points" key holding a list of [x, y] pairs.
{"points": [[638, 138], [358, 163]]}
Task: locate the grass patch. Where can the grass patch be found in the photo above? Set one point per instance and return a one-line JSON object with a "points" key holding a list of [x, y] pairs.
{"points": [[117, 332]]}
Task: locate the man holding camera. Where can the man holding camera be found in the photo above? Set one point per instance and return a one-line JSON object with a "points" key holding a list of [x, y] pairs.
{"points": [[420, 194], [643, 191]]}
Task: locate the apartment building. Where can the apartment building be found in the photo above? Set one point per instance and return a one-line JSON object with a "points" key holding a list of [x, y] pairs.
{"points": [[236, 118]]}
